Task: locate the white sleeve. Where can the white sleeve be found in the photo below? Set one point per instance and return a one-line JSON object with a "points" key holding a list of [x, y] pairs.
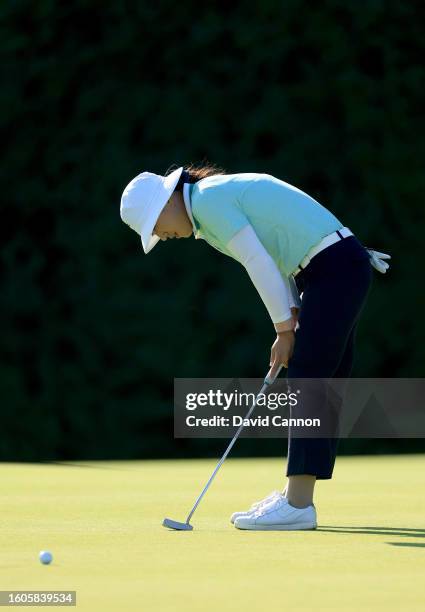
{"points": [[272, 286], [296, 299]]}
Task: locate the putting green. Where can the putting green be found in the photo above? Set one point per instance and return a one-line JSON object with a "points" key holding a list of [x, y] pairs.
{"points": [[102, 522]]}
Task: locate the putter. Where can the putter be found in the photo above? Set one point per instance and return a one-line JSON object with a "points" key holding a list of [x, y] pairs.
{"points": [[187, 526]]}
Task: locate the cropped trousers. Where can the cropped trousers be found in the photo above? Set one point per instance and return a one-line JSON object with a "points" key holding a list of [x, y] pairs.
{"points": [[335, 286]]}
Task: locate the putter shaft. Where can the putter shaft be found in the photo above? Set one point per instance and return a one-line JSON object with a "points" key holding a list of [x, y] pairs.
{"points": [[267, 382]]}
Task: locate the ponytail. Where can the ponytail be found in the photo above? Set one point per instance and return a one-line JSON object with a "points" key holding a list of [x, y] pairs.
{"points": [[193, 174]]}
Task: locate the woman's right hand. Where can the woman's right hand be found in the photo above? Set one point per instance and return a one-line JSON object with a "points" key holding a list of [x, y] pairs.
{"points": [[295, 312], [282, 349]]}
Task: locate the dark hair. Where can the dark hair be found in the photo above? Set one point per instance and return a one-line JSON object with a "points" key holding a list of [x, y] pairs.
{"points": [[192, 174]]}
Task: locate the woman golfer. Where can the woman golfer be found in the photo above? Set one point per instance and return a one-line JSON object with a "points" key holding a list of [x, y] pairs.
{"points": [[291, 246]]}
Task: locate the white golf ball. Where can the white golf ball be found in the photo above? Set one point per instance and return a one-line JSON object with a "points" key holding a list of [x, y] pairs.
{"points": [[45, 557]]}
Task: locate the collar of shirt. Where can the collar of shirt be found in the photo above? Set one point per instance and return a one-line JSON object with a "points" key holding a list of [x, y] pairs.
{"points": [[187, 193]]}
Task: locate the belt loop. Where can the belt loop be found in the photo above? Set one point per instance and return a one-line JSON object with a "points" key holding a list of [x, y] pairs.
{"points": [[339, 234]]}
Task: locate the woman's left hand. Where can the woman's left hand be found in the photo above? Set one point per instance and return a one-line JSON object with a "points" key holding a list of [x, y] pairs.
{"points": [[282, 349]]}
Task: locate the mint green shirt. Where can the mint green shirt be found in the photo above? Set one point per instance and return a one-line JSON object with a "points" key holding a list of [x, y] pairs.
{"points": [[286, 220]]}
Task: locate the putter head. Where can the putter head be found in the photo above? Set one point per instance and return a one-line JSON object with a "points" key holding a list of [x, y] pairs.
{"points": [[176, 525]]}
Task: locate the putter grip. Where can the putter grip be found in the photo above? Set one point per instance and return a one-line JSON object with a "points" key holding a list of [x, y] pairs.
{"points": [[269, 379]]}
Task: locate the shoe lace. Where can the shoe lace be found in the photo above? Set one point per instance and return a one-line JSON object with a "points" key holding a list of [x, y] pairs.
{"points": [[272, 505], [266, 499]]}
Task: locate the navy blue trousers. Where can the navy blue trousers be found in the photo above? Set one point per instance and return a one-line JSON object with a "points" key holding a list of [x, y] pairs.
{"points": [[335, 286]]}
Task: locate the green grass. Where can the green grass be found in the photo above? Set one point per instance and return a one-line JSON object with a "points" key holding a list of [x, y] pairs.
{"points": [[102, 522]]}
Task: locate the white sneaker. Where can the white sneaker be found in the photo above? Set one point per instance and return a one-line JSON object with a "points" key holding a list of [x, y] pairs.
{"points": [[256, 505], [279, 516]]}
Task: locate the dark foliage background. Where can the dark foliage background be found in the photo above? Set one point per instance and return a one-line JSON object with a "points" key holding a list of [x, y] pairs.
{"points": [[327, 96]]}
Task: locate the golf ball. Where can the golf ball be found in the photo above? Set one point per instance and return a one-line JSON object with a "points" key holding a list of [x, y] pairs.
{"points": [[45, 557]]}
